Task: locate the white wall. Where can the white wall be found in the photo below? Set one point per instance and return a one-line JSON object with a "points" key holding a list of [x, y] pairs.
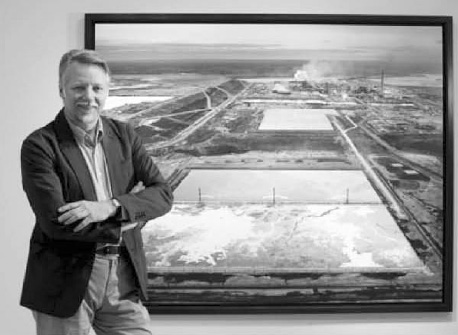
{"points": [[33, 36]]}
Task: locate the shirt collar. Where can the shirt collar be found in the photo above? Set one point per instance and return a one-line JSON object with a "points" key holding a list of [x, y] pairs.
{"points": [[82, 137]]}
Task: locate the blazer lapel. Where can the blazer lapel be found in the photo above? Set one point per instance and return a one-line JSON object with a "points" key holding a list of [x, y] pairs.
{"points": [[113, 155], [74, 156]]}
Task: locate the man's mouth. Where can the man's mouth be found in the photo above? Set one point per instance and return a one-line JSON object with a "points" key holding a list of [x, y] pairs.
{"points": [[86, 106]]}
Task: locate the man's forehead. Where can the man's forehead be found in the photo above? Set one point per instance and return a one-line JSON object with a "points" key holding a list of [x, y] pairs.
{"points": [[78, 63], [81, 69]]}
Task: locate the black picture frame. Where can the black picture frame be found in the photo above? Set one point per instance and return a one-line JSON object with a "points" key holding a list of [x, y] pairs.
{"points": [[211, 291]]}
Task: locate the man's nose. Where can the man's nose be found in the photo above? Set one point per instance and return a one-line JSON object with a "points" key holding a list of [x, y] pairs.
{"points": [[89, 93]]}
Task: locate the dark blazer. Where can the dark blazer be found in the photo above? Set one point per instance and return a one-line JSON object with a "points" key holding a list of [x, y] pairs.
{"points": [[54, 173]]}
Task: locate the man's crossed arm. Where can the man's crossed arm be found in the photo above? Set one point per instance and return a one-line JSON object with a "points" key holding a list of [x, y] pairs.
{"points": [[93, 211]]}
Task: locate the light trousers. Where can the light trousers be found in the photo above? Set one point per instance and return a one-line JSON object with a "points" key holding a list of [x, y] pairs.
{"points": [[111, 305]]}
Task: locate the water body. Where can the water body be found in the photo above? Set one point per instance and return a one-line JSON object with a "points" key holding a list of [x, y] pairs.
{"points": [[307, 186], [425, 80], [277, 68]]}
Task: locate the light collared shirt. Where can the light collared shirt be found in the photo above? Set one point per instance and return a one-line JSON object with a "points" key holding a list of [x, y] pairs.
{"points": [[95, 159]]}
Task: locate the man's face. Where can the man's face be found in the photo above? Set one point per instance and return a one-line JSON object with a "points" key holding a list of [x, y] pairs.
{"points": [[84, 91]]}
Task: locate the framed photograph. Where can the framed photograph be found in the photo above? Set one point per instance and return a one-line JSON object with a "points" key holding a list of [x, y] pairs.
{"points": [[310, 156]]}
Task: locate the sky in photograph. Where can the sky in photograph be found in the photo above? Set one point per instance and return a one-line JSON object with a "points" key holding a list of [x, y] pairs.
{"points": [[268, 41]]}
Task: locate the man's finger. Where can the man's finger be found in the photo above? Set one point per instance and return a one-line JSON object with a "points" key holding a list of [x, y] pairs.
{"points": [[67, 215], [72, 216], [82, 225], [129, 226], [69, 206], [138, 187]]}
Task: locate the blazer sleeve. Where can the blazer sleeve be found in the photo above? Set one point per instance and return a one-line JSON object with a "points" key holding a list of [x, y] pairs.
{"points": [[43, 186], [157, 197]]}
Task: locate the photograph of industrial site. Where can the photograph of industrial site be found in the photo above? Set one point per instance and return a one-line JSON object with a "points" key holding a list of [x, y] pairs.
{"points": [[307, 160]]}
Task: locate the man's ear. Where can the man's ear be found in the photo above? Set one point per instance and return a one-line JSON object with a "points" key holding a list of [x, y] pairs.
{"points": [[61, 92]]}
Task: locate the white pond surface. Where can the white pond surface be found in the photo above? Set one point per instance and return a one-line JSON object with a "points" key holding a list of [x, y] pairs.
{"points": [[296, 119], [287, 101], [293, 237], [310, 227]]}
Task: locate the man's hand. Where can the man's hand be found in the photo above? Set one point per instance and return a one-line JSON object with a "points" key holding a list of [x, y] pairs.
{"points": [[92, 211], [88, 211]]}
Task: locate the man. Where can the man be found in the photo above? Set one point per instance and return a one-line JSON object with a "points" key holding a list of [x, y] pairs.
{"points": [[91, 186]]}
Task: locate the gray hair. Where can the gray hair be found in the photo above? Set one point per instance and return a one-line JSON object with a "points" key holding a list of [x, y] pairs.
{"points": [[82, 56]]}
